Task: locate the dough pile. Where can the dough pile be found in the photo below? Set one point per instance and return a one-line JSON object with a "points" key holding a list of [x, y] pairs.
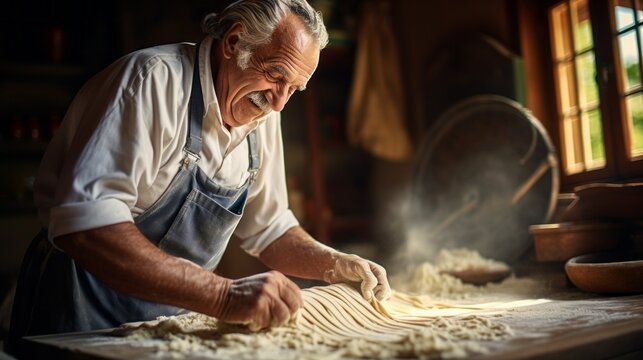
{"points": [[335, 322]]}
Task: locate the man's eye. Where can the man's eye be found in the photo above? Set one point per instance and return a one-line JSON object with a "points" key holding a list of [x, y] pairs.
{"points": [[272, 76]]}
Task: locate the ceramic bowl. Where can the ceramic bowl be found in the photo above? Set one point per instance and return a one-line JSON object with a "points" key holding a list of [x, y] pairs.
{"points": [[607, 273], [605, 201], [563, 241]]}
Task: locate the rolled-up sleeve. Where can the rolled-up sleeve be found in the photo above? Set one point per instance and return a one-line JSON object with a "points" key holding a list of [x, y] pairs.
{"points": [[267, 215], [68, 218], [255, 244]]}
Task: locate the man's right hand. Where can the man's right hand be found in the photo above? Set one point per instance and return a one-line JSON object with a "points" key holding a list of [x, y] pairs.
{"points": [[260, 301]]}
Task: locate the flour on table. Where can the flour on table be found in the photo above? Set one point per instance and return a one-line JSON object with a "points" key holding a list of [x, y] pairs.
{"points": [[434, 279], [426, 278], [460, 259], [336, 322]]}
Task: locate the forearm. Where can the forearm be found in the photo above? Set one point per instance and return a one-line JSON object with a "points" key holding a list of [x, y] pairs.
{"points": [[296, 253], [120, 256]]}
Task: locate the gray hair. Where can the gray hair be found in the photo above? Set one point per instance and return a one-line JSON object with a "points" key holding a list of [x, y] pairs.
{"points": [[259, 19]]}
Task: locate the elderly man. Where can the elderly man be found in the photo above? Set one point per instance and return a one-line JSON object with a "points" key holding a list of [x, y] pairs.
{"points": [[160, 159]]}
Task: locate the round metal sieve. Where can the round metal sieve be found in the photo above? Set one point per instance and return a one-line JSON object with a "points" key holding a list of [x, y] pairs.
{"points": [[485, 171]]}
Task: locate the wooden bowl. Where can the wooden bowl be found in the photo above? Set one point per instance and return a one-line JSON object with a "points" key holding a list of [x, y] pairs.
{"points": [[563, 241], [480, 276], [605, 201], [607, 273]]}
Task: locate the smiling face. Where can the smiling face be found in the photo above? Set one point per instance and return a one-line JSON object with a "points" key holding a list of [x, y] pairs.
{"points": [[275, 71]]}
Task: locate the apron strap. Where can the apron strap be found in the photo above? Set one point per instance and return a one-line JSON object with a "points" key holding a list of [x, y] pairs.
{"points": [[253, 156], [193, 144]]}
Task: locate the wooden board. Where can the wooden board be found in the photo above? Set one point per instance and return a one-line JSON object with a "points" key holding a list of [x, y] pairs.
{"points": [[567, 325]]}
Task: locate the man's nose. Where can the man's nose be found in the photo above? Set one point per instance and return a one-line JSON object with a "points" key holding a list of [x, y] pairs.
{"points": [[279, 99]]}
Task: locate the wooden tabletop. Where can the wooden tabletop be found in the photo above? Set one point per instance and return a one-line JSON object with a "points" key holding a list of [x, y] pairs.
{"points": [[551, 323]]}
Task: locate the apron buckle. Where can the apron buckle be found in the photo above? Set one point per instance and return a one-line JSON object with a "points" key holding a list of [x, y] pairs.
{"points": [[191, 156], [253, 175]]}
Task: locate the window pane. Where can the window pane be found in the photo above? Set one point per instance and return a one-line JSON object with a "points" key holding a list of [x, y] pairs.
{"points": [[624, 14], [566, 88], [593, 145], [582, 26], [634, 129], [561, 31], [573, 147], [639, 10], [583, 146], [586, 72], [628, 48]]}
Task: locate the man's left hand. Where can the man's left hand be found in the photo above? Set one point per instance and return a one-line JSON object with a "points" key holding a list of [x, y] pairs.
{"points": [[352, 268]]}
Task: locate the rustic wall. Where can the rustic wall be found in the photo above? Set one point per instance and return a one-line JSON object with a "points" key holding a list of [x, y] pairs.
{"points": [[425, 29]]}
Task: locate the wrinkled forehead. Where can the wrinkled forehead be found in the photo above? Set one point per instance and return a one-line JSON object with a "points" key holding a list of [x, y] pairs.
{"points": [[291, 31], [293, 48]]}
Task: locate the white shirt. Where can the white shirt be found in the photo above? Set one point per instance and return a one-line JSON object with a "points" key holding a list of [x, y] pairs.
{"points": [[122, 142]]}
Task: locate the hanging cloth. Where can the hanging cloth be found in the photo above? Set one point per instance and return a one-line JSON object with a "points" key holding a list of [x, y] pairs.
{"points": [[376, 116]]}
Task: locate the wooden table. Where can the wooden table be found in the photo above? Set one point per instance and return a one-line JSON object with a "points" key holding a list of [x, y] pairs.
{"points": [[564, 324]]}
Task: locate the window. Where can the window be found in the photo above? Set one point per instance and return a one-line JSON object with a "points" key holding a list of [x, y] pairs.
{"points": [[596, 53], [580, 118], [627, 32]]}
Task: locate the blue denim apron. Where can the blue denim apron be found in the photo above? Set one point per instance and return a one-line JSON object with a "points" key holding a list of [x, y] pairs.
{"points": [[193, 219]]}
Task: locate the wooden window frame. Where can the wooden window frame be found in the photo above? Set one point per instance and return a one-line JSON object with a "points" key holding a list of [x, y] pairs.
{"points": [[535, 40], [638, 28], [579, 110]]}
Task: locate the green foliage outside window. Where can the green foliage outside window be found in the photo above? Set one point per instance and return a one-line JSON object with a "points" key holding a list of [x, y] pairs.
{"points": [[596, 135], [635, 108]]}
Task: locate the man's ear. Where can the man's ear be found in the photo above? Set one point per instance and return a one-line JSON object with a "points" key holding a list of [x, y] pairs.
{"points": [[231, 40]]}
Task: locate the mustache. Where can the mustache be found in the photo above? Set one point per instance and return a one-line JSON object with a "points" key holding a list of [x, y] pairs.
{"points": [[260, 100]]}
